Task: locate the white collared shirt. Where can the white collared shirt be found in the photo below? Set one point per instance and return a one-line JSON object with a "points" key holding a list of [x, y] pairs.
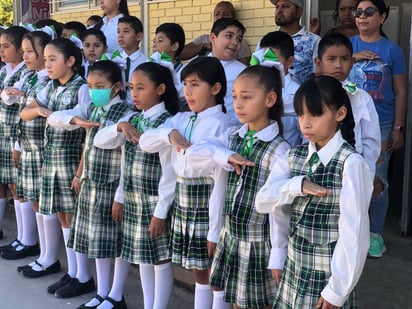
{"points": [[109, 28]]}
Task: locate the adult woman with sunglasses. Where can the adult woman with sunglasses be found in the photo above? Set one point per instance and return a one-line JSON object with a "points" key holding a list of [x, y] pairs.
{"points": [[380, 69]]}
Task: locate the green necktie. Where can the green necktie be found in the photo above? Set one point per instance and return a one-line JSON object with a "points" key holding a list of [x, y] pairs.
{"points": [[189, 127], [33, 79], [314, 159], [247, 146]]}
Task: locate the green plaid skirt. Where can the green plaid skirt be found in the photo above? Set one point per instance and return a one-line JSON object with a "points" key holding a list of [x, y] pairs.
{"points": [[59, 168], [190, 223], [240, 268], [8, 173], [29, 175], [93, 231], [305, 275], [137, 246]]}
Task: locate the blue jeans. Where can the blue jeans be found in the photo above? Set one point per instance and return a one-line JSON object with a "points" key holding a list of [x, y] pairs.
{"points": [[379, 204]]}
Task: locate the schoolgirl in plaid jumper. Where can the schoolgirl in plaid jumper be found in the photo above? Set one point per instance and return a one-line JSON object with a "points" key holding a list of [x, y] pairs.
{"points": [[194, 193], [154, 94], [62, 149], [94, 234], [29, 147], [249, 153], [327, 188], [11, 72]]}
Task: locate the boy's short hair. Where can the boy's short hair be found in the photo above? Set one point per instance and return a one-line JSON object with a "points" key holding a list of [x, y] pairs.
{"points": [[223, 23], [96, 32], [133, 21], [281, 41], [76, 26], [334, 39], [95, 18], [175, 33]]}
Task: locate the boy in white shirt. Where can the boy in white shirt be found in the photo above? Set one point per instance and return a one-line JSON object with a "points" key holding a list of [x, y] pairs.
{"points": [[226, 37]]}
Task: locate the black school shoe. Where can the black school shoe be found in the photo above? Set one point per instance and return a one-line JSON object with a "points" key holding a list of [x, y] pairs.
{"points": [[14, 254], [52, 269], [52, 288], [98, 297], [12, 245], [23, 267], [117, 304], [75, 288]]}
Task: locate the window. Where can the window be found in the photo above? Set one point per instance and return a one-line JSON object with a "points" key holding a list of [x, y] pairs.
{"points": [[60, 5]]}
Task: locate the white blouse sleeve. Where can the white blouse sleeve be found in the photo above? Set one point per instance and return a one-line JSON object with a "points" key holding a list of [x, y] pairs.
{"points": [[119, 195], [61, 119], [353, 243]]}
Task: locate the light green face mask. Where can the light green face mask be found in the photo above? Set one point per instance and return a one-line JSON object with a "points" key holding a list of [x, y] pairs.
{"points": [[100, 97]]}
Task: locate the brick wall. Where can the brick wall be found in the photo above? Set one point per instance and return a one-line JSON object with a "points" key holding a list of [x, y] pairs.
{"points": [[195, 16]]}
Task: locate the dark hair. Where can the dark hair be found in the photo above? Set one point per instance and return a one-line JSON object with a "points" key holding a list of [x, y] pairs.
{"points": [[279, 40], [159, 74], [37, 37], [228, 5], [175, 33], [210, 70], [97, 33], [78, 27], [110, 70], [334, 39], [69, 49], [268, 78], [322, 92], [15, 35], [123, 8], [223, 23], [58, 27], [133, 21], [95, 18], [382, 8]]}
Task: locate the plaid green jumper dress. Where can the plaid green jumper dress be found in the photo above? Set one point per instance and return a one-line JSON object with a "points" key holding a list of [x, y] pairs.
{"points": [[62, 151], [313, 233], [93, 230], [242, 255], [141, 174], [9, 121], [31, 139]]}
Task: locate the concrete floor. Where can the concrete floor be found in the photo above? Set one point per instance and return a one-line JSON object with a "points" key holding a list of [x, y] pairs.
{"points": [[385, 284]]}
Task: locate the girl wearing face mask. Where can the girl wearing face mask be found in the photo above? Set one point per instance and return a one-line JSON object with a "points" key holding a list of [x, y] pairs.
{"points": [[94, 233]]}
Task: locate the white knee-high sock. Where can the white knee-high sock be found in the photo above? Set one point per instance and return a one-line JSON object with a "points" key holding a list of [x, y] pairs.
{"points": [[3, 205], [121, 271], [28, 224], [218, 302], [19, 219], [71, 255], [203, 296], [163, 285], [83, 267], [41, 235], [103, 270], [51, 241], [147, 279]]}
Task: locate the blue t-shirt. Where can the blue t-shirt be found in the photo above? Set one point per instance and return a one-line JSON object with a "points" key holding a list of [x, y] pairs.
{"points": [[375, 76]]}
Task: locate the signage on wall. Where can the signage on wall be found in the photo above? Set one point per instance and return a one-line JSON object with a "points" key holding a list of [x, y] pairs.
{"points": [[34, 10]]}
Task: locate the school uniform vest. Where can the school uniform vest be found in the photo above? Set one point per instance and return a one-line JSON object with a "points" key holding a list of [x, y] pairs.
{"points": [[102, 166], [64, 99], [143, 170], [31, 133], [243, 220], [9, 114], [316, 218]]}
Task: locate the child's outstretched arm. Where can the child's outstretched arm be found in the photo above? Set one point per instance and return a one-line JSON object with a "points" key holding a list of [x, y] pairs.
{"points": [[353, 240]]}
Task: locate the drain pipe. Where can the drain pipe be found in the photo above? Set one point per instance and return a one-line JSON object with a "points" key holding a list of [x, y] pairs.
{"points": [[144, 17]]}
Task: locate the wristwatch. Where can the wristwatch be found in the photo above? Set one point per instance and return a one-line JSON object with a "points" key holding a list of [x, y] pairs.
{"points": [[399, 128]]}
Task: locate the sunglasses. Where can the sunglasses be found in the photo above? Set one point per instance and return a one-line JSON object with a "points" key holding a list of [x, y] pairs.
{"points": [[368, 12]]}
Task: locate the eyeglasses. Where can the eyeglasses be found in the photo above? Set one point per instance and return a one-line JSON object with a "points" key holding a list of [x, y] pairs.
{"points": [[368, 12]]}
